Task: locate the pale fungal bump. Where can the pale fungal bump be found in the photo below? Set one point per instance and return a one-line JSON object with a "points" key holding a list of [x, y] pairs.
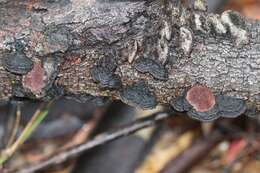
{"points": [[133, 52], [215, 22], [163, 50], [148, 65], [17, 63], [105, 77], [186, 40], [162, 46], [230, 107], [139, 95], [51, 65], [200, 98], [200, 5], [166, 32], [234, 21], [200, 23]]}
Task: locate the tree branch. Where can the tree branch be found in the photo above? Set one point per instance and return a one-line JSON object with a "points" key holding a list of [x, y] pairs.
{"points": [[105, 48]]}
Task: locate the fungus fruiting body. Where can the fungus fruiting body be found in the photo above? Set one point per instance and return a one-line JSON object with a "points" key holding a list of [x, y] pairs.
{"points": [[230, 107], [148, 65], [139, 95], [35, 79], [201, 98], [104, 73], [200, 103], [105, 77], [17, 63], [186, 40], [203, 103], [210, 115]]}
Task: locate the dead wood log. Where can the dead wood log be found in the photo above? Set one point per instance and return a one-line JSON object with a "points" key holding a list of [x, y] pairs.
{"points": [[142, 52]]}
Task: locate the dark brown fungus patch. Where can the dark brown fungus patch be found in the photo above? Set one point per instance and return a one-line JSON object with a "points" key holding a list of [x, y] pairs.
{"points": [[17, 63], [252, 112], [180, 104], [103, 73], [138, 95], [58, 39], [148, 65], [230, 107], [105, 77], [177, 104], [200, 98], [108, 62], [207, 116]]}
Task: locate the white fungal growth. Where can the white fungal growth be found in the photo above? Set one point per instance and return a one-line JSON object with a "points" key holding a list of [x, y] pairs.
{"points": [[186, 40], [200, 5], [217, 24], [198, 23], [166, 31], [163, 50], [240, 34], [162, 47], [133, 52]]}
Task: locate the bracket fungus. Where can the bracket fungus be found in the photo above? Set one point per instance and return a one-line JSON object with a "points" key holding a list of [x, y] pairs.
{"points": [[200, 103], [139, 95], [103, 73], [17, 63], [207, 116], [230, 107], [148, 65], [105, 77]]}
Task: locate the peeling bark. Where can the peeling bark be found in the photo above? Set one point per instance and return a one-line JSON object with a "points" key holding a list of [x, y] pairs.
{"points": [[69, 37]]}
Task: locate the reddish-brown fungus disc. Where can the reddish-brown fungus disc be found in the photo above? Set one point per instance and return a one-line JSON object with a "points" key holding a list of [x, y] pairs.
{"points": [[201, 98], [34, 80]]}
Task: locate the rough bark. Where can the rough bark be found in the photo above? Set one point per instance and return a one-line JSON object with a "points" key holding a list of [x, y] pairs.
{"points": [[188, 46]]}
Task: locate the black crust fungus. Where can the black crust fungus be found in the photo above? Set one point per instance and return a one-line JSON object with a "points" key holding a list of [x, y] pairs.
{"points": [[180, 104], [230, 107], [108, 62], [105, 77], [207, 116], [138, 95], [147, 65], [58, 38], [103, 73], [252, 112], [17, 63]]}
